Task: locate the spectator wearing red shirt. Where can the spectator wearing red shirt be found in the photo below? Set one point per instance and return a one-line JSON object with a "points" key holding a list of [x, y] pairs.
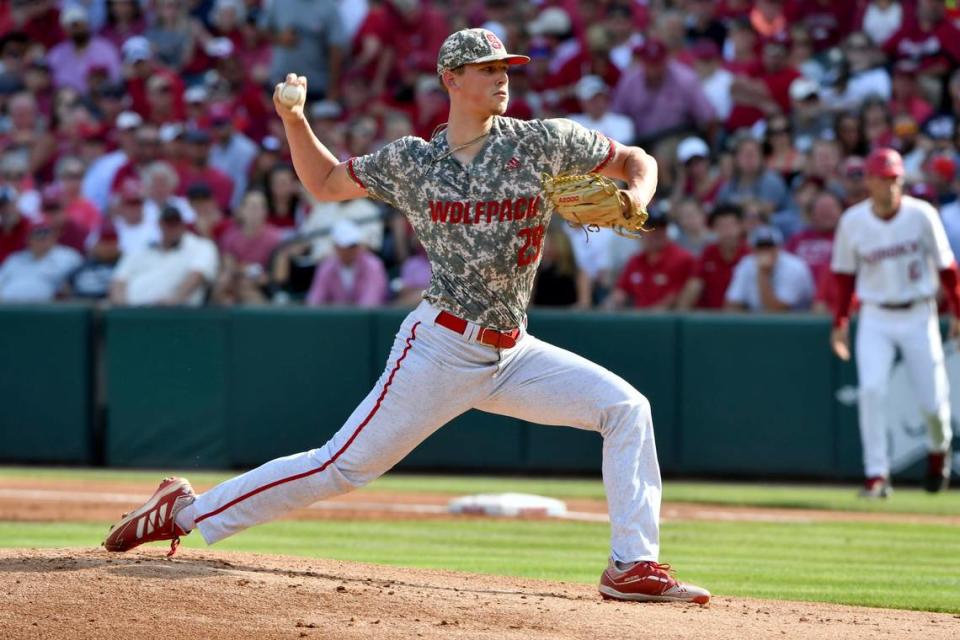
{"points": [[250, 107], [930, 40], [744, 47], [907, 97], [69, 174], [765, 88], [197, 168], [41, 22], [827, 21], [653, 278], [398, 38], [283, 197], [707, 288], [246, 248], [592, 59], [139, 67], [814, 245], [13, 226], [67, 231], [164, 101], [210, 221]]}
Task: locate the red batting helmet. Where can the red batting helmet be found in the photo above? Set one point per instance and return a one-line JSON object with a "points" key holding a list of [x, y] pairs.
{"points": [[884, 162]]}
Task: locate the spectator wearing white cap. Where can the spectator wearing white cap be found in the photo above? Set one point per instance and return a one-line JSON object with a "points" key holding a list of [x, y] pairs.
{"points": [[72, 59], [811, 119], [99, 176], [554, 25], [594, 97], [353, 275], [695, 178], [769, 279], [140, 67]]}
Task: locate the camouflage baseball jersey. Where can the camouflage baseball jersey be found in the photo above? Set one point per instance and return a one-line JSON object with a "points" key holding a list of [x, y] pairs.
{"points": [[482, 225]]}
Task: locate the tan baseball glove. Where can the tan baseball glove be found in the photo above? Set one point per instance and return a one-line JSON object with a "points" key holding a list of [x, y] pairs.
{"points": [[592, 200]]}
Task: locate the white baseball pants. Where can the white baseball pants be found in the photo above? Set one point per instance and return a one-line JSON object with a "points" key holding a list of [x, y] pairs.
{"points": [[434, 374], [916, 333]]}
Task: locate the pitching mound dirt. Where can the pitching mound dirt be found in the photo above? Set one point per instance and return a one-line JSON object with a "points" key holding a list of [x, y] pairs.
{"points": [[89, 593]]}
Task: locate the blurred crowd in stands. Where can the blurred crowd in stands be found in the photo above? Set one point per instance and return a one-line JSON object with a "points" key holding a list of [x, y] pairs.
{"points": [[141, 162]]}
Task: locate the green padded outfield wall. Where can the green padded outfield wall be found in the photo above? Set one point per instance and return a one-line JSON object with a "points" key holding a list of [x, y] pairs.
{"points": [[757, 395], [731, 395], [45, 384], [294, 376], [167, 388]]}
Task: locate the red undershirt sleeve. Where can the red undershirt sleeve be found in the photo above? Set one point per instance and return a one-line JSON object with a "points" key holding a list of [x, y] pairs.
{"points": [[845, 283], [948, 280]]}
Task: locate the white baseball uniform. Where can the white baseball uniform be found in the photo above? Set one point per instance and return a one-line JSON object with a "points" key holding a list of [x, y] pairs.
{"points": [[466, 345], [896, 263]]}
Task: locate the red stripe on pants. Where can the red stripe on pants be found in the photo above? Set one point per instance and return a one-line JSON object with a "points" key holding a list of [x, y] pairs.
{"points": [[373, 412]]}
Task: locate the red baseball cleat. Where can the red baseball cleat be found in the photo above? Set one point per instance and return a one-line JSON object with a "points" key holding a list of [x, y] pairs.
{"points": [[155, 520], [648, 582]]}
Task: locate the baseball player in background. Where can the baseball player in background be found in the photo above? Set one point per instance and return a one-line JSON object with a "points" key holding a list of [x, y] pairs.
{"points": [[473, 193], [894, 250]]}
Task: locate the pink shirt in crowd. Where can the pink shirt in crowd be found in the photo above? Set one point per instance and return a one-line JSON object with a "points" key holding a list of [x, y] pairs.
{"points": [[250, 249], [369, 282], [70, 67]]}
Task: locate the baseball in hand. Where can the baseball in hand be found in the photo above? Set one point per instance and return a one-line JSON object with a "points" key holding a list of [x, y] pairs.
{"points": [[291, 94]]}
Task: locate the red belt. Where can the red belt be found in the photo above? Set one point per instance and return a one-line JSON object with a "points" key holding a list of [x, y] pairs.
{"points": [[498, 339]]}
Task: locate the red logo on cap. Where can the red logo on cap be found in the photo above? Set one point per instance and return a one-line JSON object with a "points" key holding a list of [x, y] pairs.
{"points": [[494, 41]]}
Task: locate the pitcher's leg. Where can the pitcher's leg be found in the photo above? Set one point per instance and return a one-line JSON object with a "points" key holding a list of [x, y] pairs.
{"points": [[545, 384], [407, 404], [875, 353]]}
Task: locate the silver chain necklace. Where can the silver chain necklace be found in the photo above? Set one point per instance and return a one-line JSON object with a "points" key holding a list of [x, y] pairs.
{"points": [[450, 152]]}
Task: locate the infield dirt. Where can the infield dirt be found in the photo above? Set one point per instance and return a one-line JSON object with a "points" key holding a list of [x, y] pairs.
{"points": [[90, 593]]}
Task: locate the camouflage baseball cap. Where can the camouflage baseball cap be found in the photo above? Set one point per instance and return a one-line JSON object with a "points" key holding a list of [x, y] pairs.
{"points": [[471, 46]]}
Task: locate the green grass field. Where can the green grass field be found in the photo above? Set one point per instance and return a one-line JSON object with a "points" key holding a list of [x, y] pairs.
{"points": [[899, 565]]}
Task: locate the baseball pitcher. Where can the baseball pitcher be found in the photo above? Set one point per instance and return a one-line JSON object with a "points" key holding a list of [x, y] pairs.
{"points": [[894, 250], [477, 196]]}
